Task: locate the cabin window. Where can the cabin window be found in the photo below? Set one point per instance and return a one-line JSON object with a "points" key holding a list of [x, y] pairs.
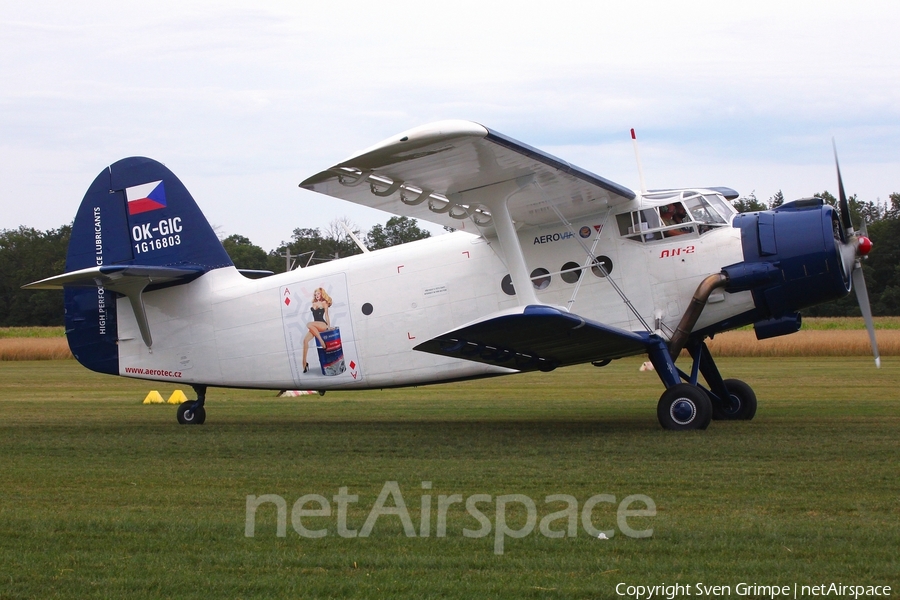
{"points": [[640, 225], [540, 278], [606, 263], [570, 272]]}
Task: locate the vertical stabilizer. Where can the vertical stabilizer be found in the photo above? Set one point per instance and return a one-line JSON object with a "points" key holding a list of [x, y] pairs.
{"points": [[136, 212]]}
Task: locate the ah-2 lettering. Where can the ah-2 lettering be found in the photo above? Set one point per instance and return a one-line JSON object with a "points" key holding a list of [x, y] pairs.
{"points": [[677, 251]]}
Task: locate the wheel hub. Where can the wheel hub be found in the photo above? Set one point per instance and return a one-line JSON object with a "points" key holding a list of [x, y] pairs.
{"points": [[683, 411]]}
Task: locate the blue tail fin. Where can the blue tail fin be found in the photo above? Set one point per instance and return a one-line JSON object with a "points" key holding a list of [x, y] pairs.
{"points": [[136, 212]]}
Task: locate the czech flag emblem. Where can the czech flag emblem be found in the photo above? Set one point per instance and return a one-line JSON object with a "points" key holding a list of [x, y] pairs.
{"points": [[146, 197]]}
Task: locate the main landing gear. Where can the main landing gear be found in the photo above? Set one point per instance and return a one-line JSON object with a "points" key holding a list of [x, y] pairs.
{"points": [[686, 404], [192, 411]]}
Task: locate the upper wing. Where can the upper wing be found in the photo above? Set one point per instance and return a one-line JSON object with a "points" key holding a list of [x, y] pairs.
{"points": [[425, 172]]}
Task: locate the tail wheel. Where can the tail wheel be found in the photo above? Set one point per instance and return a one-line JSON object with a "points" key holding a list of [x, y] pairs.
{"points": [[740, 404], [683, 407], [188, 415]]}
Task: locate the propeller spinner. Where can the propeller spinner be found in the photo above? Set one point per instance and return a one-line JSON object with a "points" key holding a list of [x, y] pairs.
{"points": [[859, 245]]}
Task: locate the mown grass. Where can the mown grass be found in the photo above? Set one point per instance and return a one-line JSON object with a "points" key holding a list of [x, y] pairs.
{"points": [[839, 336], [101, 496], [831, 323], [32, 332]]}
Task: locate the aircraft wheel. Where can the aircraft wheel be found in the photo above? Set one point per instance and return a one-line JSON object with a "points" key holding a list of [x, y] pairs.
{"points": [[741, 406], [683, 407], [188, 417]]}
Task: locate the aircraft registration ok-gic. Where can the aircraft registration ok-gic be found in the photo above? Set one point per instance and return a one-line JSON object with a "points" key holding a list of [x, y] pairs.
{"points": [[550, 265]]}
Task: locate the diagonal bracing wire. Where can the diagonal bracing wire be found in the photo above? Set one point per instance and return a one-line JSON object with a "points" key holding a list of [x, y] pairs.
{"points": [[591, 257]]}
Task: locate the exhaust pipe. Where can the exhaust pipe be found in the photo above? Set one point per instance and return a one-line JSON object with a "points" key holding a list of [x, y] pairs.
{"points": [[692, 314]]}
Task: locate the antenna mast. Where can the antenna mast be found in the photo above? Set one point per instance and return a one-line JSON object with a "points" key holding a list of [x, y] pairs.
{"points": [[637, 156]]}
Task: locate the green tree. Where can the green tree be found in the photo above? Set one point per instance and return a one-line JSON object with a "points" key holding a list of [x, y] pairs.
{"points": [[397, 230], [311, 246], [882, 267], [749, 203], [860, 211], [776, 200], [26, 255], [244, 254]]}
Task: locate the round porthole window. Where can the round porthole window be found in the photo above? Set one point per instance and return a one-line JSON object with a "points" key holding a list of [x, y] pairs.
{"points": [[507, 286], [571, 272], [367, 309], [540, 278], [607, 266]]}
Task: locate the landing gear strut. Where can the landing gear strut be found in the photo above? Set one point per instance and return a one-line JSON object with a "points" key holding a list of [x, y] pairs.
{"points": [[192, 411], [686, 404]]}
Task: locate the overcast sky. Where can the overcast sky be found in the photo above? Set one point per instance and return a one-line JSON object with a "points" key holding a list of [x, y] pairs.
{"points": [[243, 100]]}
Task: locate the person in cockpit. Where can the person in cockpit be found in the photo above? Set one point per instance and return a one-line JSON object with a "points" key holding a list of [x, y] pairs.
{"points": [[673, 214]]}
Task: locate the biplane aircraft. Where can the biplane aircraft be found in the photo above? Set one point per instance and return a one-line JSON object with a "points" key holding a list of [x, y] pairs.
{"points": [[550, 265]]}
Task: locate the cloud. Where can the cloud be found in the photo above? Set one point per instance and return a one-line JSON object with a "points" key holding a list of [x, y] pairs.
{"points": [[245, 100]]}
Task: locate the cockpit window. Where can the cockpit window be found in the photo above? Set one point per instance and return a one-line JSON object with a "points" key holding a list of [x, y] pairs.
{"points": [[694, 215], [702, 212], [723, 208]]}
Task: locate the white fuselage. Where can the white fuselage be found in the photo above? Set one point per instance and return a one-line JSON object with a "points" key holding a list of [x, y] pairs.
{"points": [[226, 330]]}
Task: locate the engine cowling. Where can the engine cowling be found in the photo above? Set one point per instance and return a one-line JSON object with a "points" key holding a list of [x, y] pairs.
{"points": [[793, 258]]}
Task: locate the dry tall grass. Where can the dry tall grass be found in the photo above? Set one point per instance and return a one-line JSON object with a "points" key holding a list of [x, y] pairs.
{"points": [[732, 343], [34, 349], [806, 343]]}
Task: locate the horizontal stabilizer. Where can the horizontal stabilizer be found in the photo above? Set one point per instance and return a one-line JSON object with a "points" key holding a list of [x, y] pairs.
{"points": [[118, 278], [129, 280], [536, 337]]}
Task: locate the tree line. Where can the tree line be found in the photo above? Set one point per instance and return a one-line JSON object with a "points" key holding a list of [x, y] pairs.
{"points": [[27, 254]]}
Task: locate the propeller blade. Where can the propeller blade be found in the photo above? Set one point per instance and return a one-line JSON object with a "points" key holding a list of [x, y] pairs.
{"points": [[862, 297], [842, 197]]}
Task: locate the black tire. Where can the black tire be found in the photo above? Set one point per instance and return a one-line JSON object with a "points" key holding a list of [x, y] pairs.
{"points": [[684, 407], [741, 406], [188, 417]]}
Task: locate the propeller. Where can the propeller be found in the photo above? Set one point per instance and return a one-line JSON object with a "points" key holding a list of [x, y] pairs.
{"points": [[859, 245]]}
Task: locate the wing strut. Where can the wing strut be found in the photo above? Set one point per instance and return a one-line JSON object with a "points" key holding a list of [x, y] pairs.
{"points": [[591, 256], [495, 197]]}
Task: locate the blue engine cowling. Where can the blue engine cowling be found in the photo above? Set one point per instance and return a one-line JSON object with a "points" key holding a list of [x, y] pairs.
{"points": [[792, 260]]}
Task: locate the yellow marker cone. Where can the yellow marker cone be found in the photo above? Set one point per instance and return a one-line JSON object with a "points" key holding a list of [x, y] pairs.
{"points": [[153, 398], [177, 397]]}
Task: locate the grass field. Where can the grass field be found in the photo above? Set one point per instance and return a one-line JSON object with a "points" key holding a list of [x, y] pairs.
{"points": [[838, 336], [103, 497]]}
